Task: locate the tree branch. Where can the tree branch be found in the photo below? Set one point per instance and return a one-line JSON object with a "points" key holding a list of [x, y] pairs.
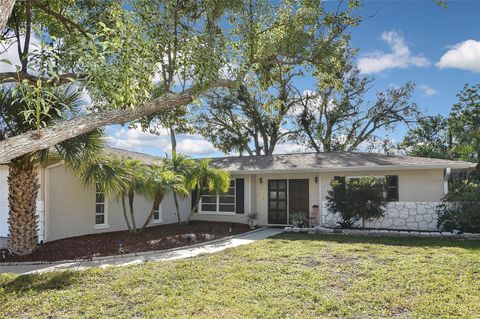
{"points": [[25, 143], [68, 23], [6, 7], [10, 77]]}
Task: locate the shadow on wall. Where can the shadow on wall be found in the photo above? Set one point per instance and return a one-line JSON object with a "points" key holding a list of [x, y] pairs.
{"points": [[384, 240]]}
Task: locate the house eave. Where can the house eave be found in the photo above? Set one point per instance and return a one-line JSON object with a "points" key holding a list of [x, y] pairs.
{"points": [[355, 168]]}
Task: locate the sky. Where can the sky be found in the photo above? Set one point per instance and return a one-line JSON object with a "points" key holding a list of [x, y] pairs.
{"points": [[400, 41]]}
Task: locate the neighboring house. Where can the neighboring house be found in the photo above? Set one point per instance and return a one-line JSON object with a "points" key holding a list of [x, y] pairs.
{"points": [[273, 186]]}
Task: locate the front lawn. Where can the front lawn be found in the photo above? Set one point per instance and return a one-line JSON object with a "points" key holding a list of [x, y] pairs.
{"points": [[292, 275]]}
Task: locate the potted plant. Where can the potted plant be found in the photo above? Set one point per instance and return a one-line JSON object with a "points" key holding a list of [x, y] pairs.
{"points": [[252, 219]]}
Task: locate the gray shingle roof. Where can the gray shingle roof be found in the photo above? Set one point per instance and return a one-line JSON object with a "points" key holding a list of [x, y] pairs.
{"points": [[331, 161], [312, 161], [145, 158]]}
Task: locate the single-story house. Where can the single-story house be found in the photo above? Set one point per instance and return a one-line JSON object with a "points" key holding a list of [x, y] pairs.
{"points": [[273, 186]]}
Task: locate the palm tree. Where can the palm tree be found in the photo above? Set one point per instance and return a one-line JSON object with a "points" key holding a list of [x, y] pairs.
{"points": [[160, 181], [136, 172], [180, 165], [23, 171], [118, 177], [204, 178]]}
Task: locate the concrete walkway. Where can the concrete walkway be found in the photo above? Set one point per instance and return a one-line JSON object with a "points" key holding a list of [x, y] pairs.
{"points": [[173, 254]]}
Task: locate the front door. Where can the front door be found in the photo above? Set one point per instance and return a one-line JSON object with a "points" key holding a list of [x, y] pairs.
{"points": [[277, 201], [298, 196]]}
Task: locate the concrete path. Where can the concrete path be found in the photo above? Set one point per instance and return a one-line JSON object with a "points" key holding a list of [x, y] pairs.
{"points": [[173, 254]]}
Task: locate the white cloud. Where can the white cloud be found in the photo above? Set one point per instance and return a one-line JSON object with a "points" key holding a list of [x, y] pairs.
{"points": [[399, 57], [195, 145], [428, 90], [288, 148], [464, 55], [134, 139]]}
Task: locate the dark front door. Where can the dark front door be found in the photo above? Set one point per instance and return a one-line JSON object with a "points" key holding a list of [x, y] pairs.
{"points": [[277, 201], [298, 196]]}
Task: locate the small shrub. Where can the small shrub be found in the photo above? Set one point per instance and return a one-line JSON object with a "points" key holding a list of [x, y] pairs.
{"points": [[460, 208], [252, 219], [299, 219], [357, 199]]}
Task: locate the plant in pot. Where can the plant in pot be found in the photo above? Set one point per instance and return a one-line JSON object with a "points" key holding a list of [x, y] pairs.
{"points": [[252, 219], [299, 220]]}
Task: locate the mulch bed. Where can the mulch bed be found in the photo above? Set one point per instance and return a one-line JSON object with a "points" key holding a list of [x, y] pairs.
{"points": [[122, 242]]}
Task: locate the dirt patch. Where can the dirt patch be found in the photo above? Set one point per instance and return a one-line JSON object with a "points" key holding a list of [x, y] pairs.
{"points": [[122, 242]]}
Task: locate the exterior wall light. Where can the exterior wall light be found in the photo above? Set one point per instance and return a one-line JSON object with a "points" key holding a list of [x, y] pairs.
{"points": [[316, 179], [260, 180]]}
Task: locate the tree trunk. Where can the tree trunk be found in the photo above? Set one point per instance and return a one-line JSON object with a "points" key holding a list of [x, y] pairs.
{"points": [[23, 188], [21, 144], [155, 205], [124, 207], [173, 139], [194, 209], [6, 7], [177, 208], [131, 196]]}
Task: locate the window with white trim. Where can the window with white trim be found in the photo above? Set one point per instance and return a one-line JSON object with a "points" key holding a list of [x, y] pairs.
{"points": [[221, 203], [100, 207], [157, 214]]}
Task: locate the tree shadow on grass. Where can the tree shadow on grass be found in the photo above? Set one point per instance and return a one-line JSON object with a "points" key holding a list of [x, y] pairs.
{"points": [[40, 282], [384, 240]]}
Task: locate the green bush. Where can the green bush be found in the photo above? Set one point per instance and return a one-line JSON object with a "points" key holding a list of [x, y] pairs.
{"points": [[460, 208], [357, 199], [299, 219]]}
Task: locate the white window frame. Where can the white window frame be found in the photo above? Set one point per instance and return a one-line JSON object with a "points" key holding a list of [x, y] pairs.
{"points": [[158, 220], [105, 210], [217, 202]]}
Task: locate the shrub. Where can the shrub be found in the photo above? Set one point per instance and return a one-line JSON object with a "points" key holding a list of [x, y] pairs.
{"points": [[299, 219], [357, 199], [460, 208]]}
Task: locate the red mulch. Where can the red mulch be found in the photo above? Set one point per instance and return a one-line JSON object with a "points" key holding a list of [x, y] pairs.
{"points": [[122, 242]]}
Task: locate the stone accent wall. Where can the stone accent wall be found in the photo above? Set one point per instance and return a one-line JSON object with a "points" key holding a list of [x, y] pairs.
{"points": [[399, 215]]}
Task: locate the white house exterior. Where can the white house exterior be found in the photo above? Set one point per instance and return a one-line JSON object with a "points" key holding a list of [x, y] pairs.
{"points": [[273, 186]]}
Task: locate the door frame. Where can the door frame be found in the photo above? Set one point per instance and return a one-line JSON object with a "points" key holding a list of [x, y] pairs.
{"points": [[268, 199], [287, 195]]}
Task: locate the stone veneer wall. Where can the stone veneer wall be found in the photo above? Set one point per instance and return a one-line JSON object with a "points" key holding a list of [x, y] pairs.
{"points": [[399, 215]]}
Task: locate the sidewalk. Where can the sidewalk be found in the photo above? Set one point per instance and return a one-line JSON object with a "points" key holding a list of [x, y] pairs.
{"points": [[173, 254]]}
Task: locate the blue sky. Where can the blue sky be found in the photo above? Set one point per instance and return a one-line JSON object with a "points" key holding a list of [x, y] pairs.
{"points": [[438, 49]]}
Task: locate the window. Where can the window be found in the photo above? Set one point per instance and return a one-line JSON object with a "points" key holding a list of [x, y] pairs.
{"points": [[100, 207], [213, 202], [157, 215], [392, 188], [391, 181]]}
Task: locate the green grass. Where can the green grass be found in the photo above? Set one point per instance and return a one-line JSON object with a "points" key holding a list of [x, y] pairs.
{"points": [[296, 276]]}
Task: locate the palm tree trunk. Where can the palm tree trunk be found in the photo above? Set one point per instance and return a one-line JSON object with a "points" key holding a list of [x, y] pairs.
{"points": [[194, 209], [177, 208], [124, 207], [131, 195], [156, 203], [22, 198]]}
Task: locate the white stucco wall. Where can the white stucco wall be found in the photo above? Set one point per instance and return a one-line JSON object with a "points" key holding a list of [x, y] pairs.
{"points": [[3, 201], [70, 208]]}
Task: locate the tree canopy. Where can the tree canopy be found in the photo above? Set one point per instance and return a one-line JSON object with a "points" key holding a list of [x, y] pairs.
{"points": [[120, 51]]}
